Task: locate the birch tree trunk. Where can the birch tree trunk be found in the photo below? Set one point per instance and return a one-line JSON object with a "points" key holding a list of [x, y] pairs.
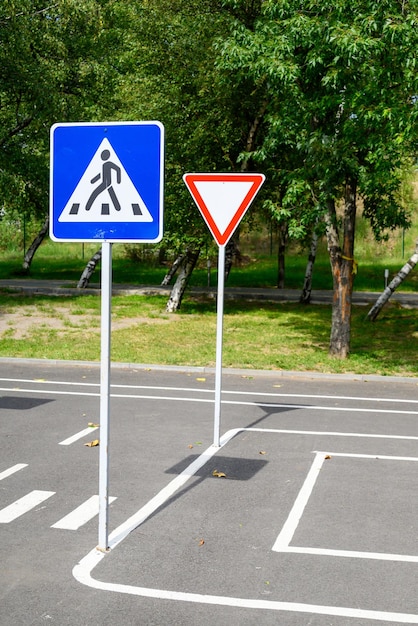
{"points": [[179, 287], [394, 284], [232, 247], [30, 253], [173, 269], [232, 251], [89, 270], [342, 264], [281, 259], [305, 296]]}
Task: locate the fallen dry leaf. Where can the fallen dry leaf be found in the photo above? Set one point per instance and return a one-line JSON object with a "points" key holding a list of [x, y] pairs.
{"points": [[92, 444], [262, 452], [218, 474], [92, 425], [201, 380], [328, 457], [190, 446], [201, 542]]}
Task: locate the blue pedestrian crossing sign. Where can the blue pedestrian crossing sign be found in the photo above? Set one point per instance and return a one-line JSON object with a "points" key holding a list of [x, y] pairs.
{"points": [[106, 182]]}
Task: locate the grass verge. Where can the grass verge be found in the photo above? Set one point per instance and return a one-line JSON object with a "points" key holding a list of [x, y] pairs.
{"points": [[256, 336], [66, 261]]}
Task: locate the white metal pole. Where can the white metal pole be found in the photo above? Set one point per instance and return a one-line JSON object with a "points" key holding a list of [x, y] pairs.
{"points": [[219, 333], [106, 298]]}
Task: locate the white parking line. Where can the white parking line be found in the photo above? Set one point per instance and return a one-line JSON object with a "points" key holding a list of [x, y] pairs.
{"points": [[23, 505], [12, 470], [282, 543], [208, 390], [77, 436], [54, 392], [81, 515], [83, 570], [289, 527], [269, 405]]}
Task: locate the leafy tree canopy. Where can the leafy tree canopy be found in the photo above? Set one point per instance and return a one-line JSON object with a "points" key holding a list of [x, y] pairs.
{"points": [[172, 76], [343, 82], [54, 66]]}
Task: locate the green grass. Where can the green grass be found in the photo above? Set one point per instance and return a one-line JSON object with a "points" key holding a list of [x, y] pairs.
{"points": [[256, 335], [267, 336], [64, 261], [61, 261]]}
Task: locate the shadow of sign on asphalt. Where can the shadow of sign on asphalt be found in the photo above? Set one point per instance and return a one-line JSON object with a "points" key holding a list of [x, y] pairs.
{"points": [[233, 468], [218, 467], [22, 404]]}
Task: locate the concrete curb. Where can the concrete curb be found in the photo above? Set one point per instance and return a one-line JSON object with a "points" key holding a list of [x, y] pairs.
{"points": [[211, 370]]}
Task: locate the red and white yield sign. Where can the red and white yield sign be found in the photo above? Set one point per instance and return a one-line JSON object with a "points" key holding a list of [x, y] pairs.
{"points": [[223, 199]]}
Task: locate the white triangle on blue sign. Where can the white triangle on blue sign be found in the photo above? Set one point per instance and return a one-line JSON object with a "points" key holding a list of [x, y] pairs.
{"points": [[105, 193]]}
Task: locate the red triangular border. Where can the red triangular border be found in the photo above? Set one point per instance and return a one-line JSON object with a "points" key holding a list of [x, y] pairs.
{"points": [[190, 181]]}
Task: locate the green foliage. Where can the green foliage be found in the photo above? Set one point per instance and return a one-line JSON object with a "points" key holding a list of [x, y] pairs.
{"points": [[171, 75], [342, 80], [55, 65], [16, 233]]}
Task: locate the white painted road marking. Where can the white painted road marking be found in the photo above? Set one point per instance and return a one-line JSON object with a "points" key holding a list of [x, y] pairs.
{"points": [[206, 390], [77, 436], [81, 515], [269, 405], [23, 505], [83, 570], [282, 543], [289, 527], [94, 557], [12, 470]]}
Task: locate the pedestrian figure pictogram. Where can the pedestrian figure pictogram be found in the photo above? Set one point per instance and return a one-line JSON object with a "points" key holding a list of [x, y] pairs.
{"points": [[105, 192], [106, 184]]}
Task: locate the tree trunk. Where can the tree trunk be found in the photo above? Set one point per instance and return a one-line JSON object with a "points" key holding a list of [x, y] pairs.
{"points": [[342, 265], [232, 247], [394, 284], [162, 255], [173, 269], [305, 296], [30, 253], [89, 269], [281, 259], [231, 252], [179, 287]]}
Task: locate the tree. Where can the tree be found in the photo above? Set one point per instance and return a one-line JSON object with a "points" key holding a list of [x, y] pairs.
{"points": [[171, 76], [342, 77], [305, 296], [393, 285], [55, 65]]}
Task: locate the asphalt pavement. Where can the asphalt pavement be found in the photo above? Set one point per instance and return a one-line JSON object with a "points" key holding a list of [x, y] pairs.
{"points": [[306, 515]]}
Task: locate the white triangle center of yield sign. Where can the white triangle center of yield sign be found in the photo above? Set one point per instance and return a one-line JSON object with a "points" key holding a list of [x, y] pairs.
{"points": [[223, 199], [105, 193]]}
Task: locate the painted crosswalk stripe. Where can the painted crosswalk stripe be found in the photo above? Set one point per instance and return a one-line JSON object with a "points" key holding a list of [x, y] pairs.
{"points": [[12, 470], [77, 436], [81, 515], [23, 505]]}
